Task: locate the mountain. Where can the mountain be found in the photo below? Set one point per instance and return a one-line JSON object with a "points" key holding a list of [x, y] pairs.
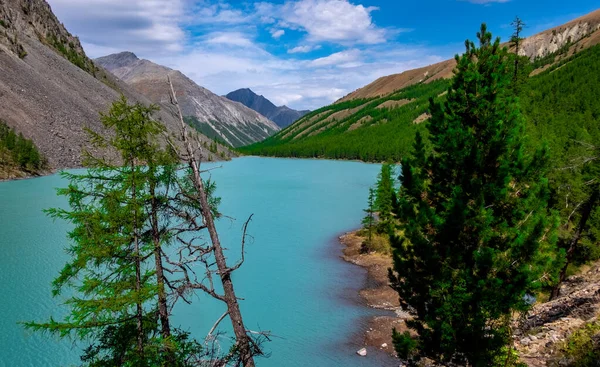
{"points": [[283, 116], [50, 91], [378, 121], [213, 115]]}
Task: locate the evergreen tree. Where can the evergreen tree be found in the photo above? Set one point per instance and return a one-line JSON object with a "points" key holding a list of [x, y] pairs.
{"points": [[515, 42], [369, 220], [384, 197], [588, 172], [119, 304], [477, 236]]}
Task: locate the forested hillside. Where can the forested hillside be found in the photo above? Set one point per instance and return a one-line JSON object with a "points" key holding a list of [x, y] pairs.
{"points": [[492, 185], [19, 157], [376, 129], [562, 109]]}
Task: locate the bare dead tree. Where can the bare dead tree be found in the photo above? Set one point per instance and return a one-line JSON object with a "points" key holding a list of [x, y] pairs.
{"points": [[194, 251]]}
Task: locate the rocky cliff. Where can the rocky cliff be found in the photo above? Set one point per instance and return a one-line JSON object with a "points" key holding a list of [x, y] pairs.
{"points": [[50, 91]]}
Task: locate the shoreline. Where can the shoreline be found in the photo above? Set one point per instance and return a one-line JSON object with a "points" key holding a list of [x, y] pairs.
{"points": [[376, 294], [28, 176]]}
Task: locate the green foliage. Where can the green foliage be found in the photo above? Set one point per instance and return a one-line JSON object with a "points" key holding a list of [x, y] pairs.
{"points": [[113, 347], [385, 197], [404, 344], [21, 151], [477, 236], [369, 221], [562, 106], [368, 133], [114, 273], [582, 348]]}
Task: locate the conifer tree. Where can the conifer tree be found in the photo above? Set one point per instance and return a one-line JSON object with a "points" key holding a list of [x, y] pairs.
{"points": [[369, 220], [477, 236], [119, 304], [384, 197], [515, 41]]}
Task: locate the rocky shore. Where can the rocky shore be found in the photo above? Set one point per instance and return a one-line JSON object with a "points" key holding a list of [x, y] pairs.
{"points": [[538, 337], [378, 294]]}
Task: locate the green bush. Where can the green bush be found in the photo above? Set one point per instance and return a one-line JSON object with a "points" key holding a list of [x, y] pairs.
{"points": [[582, 349], [22, 151]]}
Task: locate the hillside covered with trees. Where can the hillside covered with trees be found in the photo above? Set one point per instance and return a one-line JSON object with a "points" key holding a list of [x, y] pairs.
{"points": [[18, 156], [497, 207]]}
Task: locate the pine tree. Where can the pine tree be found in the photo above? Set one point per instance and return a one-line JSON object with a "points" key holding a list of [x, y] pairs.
{"points": [[384, 197], [477, 236], [515, 41], [369, 220]]}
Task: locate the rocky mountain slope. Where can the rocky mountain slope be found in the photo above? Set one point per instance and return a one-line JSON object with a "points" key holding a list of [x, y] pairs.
{"points": [[50, 91], [283, 116], [554, 43], [213, 115]]}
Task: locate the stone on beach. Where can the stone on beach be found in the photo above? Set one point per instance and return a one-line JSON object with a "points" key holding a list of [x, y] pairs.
{"points": [[362, 352]]}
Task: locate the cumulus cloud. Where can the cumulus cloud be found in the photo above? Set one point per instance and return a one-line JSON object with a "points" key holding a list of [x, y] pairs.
{"points": [[216, 44], [124, 25], [336, 21]]}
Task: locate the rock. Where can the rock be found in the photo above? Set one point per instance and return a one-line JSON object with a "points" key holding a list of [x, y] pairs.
{"points": [[362, 352], [384, 345], [525, 341], [533, 338]]}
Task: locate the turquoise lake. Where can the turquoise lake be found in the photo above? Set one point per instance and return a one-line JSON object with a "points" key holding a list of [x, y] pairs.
{"points": [[293, 281]]}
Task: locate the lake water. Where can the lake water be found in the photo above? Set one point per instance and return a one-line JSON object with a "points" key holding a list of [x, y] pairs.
{"points": [[293, 281]]}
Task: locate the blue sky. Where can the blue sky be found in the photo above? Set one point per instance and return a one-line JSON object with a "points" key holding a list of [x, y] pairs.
{"points": [[302, 53]]}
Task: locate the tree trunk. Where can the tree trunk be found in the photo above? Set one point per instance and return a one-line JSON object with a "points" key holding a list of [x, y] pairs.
{"points": [[587, 209], [138, 272], [163, 312], [243, 342]]}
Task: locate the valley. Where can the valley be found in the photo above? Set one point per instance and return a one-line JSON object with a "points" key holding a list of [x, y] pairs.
{"points": [[306, 182]]}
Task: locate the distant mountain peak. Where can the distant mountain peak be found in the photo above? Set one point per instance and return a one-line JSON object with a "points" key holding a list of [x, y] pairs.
{"points": [[282, 116], [215, 116], [118, 60]]}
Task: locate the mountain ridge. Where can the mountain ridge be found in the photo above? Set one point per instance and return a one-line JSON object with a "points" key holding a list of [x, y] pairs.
{"points": [[51, 92], [229, 121], [575, 34], [283, 116]]}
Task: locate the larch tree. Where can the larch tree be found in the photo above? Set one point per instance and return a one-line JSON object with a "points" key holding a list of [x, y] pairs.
{"points": [[118, 298], [477, 236]]}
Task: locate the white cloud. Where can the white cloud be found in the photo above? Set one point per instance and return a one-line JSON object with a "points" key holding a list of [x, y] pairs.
{"points": [[229, 38], [124, 25], [204, 12], [277, 33], [215, 44], [303, 49], [337, 58], [332, 20]]}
